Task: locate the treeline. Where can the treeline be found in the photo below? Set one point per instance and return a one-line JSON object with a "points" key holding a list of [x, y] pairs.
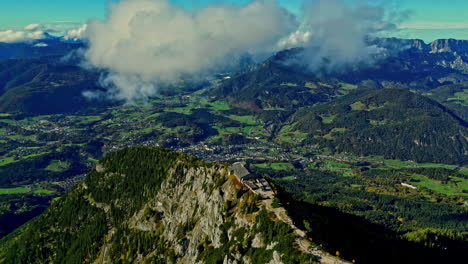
{"points": [[440, 174]]}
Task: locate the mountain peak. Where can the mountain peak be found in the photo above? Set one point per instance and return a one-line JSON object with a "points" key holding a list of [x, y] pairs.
{"points": [[150, 205]]}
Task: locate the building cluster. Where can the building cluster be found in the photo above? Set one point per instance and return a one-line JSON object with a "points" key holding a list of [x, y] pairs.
{"points": [[71, 182], [255, 183]]}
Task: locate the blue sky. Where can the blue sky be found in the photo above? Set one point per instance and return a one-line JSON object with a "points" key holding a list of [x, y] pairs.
{"points": [[430, 19]]}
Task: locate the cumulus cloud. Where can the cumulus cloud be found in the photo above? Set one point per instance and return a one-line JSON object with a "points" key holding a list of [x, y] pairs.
{"points": [[340, 32], [11, 36], [41, 27], [68, 29], [144, 43], [296, 39], [76, 33], [30, 33]]}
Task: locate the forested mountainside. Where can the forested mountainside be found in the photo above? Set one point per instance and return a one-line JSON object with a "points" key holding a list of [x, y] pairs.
{"points": [[150, 205], [45, 86], [283, 81], [50, 46], [394, 123], [453, 96]]}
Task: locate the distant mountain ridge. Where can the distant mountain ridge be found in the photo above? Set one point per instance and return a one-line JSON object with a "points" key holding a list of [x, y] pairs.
{"points": [[50, 46], [407, 63], [449, 45], [401, 124], [436, 46], [404, 63], [448, 53], [394, 123], [45, 86]]}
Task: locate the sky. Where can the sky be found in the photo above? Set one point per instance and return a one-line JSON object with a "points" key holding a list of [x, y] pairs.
{"points": [[428, 20]]}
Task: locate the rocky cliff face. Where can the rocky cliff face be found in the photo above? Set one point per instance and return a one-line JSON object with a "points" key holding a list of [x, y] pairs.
{"points": [[449, 45], [437, 46], [450, 53], [206, 215], [148, 205], [397, 45], [199, 201]]}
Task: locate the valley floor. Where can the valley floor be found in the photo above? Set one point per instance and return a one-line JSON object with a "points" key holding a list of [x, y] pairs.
{"points": [[55, 152]]}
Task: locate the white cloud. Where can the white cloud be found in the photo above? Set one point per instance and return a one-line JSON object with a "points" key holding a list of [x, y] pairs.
{"points": [[76, 33], [296, 39], [42, 27], [68, 29], [32, 27], [147, 42], [60, 27], [11, 36], [339, 31]]}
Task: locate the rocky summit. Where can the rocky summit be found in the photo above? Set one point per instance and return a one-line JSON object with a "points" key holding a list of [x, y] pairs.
{"points": [[149, 205]]}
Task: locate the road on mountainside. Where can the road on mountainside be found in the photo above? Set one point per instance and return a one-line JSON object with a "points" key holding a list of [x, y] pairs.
{"points": [[106, 209]]}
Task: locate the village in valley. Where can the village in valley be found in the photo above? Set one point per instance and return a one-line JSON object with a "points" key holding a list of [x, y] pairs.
{"points": [[63, 148], [201, 126]]}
